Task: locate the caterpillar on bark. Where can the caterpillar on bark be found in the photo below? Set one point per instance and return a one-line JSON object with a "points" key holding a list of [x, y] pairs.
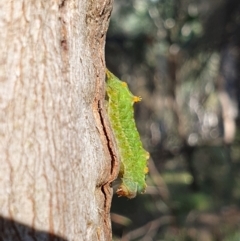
{"points": [[133, 168]]}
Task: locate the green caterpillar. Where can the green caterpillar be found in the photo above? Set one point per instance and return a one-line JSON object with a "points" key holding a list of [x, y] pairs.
{"points": [[133, 167]]}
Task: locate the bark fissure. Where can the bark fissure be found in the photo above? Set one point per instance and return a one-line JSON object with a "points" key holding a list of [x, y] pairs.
{"points": [[109, 145]]}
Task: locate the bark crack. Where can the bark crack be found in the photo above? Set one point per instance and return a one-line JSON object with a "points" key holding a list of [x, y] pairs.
{"points": [[109, 145]]}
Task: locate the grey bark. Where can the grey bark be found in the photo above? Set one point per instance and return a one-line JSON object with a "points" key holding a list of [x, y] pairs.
{"points": [[55, 153]]}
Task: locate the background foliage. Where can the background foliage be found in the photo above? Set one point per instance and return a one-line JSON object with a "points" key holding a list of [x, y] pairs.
{"points": [[182, 58]]}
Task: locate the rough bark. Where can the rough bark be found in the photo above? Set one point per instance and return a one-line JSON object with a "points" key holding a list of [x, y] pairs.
{"points": [[56, 151]]}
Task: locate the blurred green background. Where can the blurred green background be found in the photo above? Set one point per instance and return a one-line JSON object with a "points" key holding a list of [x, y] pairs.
{"points": [[183, 58]]}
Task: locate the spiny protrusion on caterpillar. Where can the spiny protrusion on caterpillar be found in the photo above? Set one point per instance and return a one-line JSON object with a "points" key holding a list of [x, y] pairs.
{"points": [[137, 99], [133, 156]]}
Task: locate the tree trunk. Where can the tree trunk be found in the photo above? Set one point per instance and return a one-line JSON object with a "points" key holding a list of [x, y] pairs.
{"points": [[57, 155]]}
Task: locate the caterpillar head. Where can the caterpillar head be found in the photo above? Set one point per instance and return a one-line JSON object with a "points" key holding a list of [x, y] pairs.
{"points": [[123, 191]]}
